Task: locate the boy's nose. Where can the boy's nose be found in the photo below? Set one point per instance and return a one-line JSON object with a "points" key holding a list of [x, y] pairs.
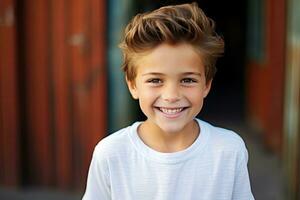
{"points": [[171, 93]]}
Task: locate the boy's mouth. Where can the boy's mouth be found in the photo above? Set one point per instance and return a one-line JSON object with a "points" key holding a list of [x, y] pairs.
{"points": [[171, 111]]}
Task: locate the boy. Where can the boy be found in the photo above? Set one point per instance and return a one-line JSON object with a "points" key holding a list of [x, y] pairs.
{"points": [[169, 64]]}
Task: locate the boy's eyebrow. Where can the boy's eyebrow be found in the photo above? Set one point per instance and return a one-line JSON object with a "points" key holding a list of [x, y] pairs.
{"points": [[152, 73], [192, 73], [160, 74]]}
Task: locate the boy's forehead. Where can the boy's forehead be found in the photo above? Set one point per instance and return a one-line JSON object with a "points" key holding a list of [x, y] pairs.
{"points": [[170, 57]]}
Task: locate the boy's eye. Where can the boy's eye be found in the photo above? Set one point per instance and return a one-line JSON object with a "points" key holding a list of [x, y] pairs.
{"points": [[154, 80], [188, 80]]}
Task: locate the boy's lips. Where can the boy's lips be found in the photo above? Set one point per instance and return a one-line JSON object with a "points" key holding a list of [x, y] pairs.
{"points": [[171, 112]]}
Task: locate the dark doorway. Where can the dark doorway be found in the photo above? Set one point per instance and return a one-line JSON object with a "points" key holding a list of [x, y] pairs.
{"points": [[226, 101]]}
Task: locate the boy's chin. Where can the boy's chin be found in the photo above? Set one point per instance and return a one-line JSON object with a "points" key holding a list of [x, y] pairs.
{"points": [[171, 128]]}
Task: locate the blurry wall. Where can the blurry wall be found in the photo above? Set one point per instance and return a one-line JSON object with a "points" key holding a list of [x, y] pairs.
{"points": [[265, 69], [291, 153], [122, 108], [53, 90], [62, 89], [273, 83], [9, 107]]}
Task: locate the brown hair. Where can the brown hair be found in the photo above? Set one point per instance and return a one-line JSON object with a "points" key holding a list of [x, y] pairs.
{"points": [[171, 24]]}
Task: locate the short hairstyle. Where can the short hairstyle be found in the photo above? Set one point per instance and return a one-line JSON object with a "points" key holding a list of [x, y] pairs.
{"points": [[185, 23]]}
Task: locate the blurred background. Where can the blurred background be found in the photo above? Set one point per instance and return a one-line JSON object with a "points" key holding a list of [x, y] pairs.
{"points": [[62, 90]]}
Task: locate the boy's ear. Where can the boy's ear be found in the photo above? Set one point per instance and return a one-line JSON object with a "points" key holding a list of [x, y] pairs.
{"points": [[132, 88], [207, 87]]}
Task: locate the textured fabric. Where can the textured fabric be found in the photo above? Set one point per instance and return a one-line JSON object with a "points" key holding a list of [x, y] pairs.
{"points": [[214, 167]]}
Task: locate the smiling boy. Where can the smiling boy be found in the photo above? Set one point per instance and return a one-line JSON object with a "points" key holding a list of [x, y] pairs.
{"points": [[169, 64], [170, 85]]}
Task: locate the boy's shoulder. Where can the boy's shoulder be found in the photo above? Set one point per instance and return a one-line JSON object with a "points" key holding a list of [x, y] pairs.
{"points": [[224, 138], [115, 143]]}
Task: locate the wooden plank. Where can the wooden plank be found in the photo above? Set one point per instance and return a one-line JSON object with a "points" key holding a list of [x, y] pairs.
{"points": [[97, 78], [40, 158], [86, 38], [9, 124], [2, 160], [98, 71], [78, 63], [61, 90], [291, 156], [276, 64], [266, 79]]}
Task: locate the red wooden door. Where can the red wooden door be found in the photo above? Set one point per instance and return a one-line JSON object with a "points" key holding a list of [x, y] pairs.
{"points": [[86, 61], [65, 88], [9, 119], [62, 75]]}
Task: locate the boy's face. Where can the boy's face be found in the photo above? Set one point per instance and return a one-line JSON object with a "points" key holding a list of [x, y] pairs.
{"points": [[170, 85]]}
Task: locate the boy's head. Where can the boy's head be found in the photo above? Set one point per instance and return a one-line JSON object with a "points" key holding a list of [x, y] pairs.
{"points": [[184, 23]]}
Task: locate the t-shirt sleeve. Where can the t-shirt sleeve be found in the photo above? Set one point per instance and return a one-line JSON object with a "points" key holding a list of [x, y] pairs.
{"points": [[98, 186], [242, 188]]}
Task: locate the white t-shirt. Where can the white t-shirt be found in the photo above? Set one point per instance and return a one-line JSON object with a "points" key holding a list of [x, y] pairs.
{"points": [[214, 167]]}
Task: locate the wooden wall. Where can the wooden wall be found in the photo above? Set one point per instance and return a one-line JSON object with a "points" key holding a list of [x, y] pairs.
{"points": [[9, 107], [62, 91], [265, 77], [291, 154]]}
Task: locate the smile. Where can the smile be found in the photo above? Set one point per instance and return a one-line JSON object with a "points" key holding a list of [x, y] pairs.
{"points": [[171, 111]]}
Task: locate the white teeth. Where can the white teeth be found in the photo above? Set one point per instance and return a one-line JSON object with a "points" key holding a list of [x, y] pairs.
{"points": [[170, 111]]}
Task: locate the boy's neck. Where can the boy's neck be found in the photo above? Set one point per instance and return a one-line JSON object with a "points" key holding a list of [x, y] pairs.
{"points": [[164, 142]]}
